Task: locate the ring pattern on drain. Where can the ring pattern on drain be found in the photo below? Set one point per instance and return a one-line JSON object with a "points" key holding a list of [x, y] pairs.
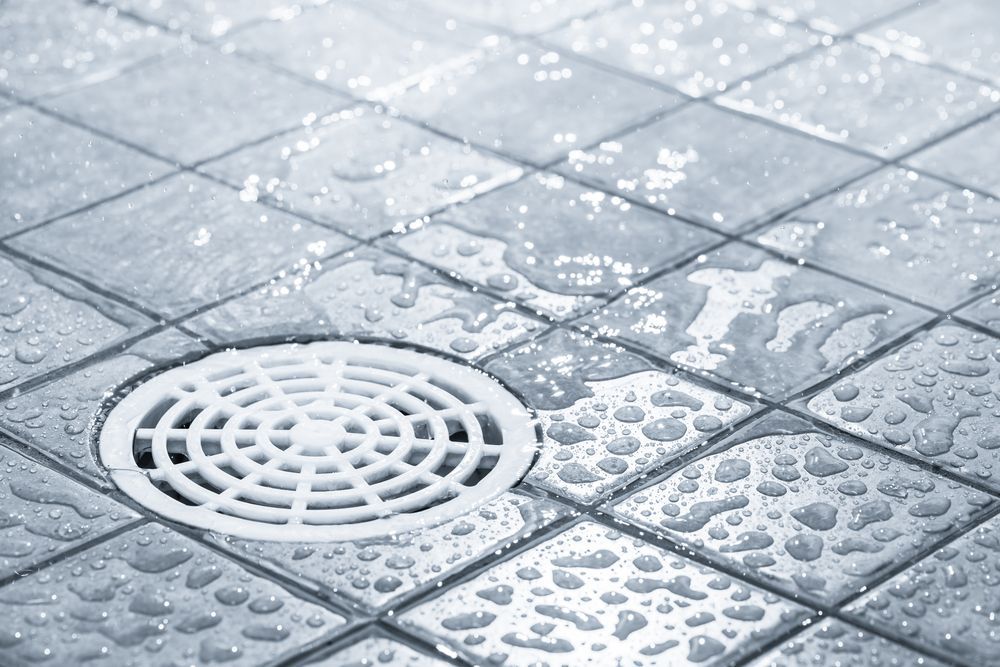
{"points": [[324, 441]]}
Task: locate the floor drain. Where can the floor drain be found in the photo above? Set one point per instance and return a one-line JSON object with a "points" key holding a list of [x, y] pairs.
{"points": [[323, 441]]}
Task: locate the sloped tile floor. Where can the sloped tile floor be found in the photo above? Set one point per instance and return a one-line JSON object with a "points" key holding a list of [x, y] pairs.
{"points": [[740, 257]]}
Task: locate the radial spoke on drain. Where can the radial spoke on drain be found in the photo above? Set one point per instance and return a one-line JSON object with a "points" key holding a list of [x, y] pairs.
{"points": [[242, 436]]}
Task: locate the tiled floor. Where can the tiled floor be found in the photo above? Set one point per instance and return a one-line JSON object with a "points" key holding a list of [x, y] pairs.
{"points": [[739, 256]]}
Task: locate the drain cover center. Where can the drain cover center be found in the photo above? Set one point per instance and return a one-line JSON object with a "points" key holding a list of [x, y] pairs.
{"points": [[320, 442]]}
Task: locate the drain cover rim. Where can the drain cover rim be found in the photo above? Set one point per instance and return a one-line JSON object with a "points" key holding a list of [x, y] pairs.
{"points": [[116, 442]]}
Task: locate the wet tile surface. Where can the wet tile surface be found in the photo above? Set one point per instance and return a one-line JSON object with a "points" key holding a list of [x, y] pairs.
{"points": [[378, 651], [154, 595], [48, 321], [850, 94], [328, 44], [985, 311], [837, 515], [176, 240], [696, 47], [933, 398], [362, 172], [837, 644], [379, 571], [931, 242], [615, 420], [61, 419], [965, 157], [194, 106], [833, 16], [50, 168], [45, 513], [520, 16], [678, 165], [946, 601], [533, 82], [69, 45], [551, 244], [368, 293], [541, 606], [208, 19], [755, 320]]}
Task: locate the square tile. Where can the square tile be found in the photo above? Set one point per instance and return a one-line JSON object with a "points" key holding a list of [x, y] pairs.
{"points": [[520, 16], [180, 244], [44, 514], [332, 44], [363, 172], [208, 19], [851, 94], [933, 398], [986, 312], [961, 34], [69, 45], [376, 572], [913, 235], [946, 601], [756, 321], [966, 158], [152, 594], [369, 294], [544, 95], [607, 416], [812, 513], [377, 650], [62, 419], [196, 105], [544, 603], [833, 16], [697, 47], [551, 244], [47, 321], [681, 166], [837, 644], [50, 168]]}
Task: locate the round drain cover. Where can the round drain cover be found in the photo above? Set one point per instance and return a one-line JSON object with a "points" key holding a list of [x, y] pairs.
{"points": [[319, 442]]}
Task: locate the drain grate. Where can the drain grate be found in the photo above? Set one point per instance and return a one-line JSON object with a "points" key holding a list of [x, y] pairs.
{"points": [[320, 442]]}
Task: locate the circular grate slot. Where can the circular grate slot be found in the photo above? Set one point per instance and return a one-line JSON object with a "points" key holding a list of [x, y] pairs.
{"points": [[324, 441]]}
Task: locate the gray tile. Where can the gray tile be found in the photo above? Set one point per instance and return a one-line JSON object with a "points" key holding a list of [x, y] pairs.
{"points": [[44, 514], [62, 418], [49, 168], [208, 19], [551, 244], [377, 651], [331, 45], [544, 97], [985, 311], [520, 16], [363, 172], [544, 603], [715, 167], [697, 47], [962, 34], [946, 601], [755, 320], [369, 294], [69, 45], [378, 571], [180, 244], [851, 94], [837, 644], [153, 595], [913, 235], [933, 398], [833, 16], [197, 105], [809, 512], [47, 321], [607, 416], [966, 158]]}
